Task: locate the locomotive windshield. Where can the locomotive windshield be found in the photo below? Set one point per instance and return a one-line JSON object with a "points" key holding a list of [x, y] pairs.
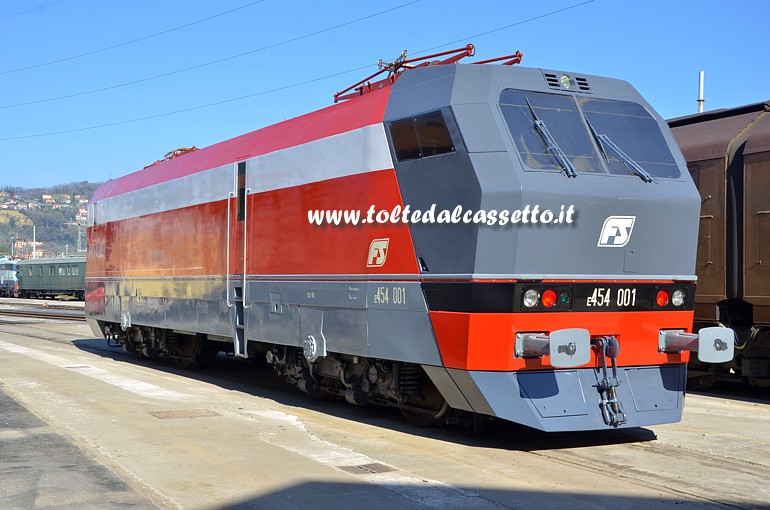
{"points": [[631, 127], [551, 133], [560, 115]]}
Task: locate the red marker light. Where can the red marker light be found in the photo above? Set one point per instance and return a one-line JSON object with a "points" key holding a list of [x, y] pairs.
{"points": [[661, 298], [549, 298]]}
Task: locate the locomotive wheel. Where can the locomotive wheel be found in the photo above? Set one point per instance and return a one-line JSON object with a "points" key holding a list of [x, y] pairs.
{"points": [[429, 411], [312, 389], [129, 347], [701, 382], [421, 417], [199, 354], [185, 363]]}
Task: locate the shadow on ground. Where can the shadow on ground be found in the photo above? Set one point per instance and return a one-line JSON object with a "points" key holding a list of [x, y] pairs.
{"points": [[258, 379], [354, 496]]}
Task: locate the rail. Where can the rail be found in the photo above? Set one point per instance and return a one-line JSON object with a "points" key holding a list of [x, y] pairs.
{"points": [[68, 315]]}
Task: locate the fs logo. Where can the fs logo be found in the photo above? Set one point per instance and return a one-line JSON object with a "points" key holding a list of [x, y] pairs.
{"points": [[616, 231], [378, 252]]}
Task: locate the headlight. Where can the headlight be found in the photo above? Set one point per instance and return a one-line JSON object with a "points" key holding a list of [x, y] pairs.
{"points": [[531, 298], [677, 298]]}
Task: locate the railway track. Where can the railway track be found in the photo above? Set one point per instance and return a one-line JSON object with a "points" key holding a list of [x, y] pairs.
{"points": [[50, 314]]}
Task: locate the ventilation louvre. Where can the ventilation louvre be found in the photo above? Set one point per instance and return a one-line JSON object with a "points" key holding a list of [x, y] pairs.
{"points": [[552, 81], [583, 84]]}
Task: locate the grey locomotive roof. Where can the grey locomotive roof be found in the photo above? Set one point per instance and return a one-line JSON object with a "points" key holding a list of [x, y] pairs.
{"points": [[468, 83]]}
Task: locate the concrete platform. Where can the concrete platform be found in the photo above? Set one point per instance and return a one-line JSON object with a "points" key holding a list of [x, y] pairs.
{"points": [[41, 468], [233, 436]]}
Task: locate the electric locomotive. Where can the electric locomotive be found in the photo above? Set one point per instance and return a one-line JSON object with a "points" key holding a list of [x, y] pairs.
{"points": [[524, 249], [9, 282]]}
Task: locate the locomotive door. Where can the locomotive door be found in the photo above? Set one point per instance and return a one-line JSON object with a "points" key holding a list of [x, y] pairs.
{"points": [[237, 290]]}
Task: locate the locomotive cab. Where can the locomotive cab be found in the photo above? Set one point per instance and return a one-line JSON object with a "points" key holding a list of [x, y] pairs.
{"points": [[576, 223]]}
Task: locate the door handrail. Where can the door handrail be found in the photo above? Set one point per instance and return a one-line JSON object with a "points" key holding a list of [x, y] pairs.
{"points": [[245, 244], [230, 196]]}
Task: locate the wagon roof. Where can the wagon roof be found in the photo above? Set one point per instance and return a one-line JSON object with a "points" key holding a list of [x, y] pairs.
{"points": [[708, 135], [759, 140]]}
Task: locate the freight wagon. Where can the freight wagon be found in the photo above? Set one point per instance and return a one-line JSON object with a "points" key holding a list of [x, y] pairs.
{"points": [[728, 155]]}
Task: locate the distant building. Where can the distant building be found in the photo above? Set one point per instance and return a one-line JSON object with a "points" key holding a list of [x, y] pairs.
{"points": [[24, 249]]}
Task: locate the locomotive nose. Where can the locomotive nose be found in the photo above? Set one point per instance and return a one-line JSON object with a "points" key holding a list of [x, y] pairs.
{"points": [[634, 230]]}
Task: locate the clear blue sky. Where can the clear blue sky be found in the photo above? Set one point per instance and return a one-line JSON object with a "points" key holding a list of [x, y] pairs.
{"points": [[658, 46]]}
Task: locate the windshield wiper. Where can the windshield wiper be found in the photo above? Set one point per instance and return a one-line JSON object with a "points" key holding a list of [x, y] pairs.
{"points": [[551, 144], [605, 143]]}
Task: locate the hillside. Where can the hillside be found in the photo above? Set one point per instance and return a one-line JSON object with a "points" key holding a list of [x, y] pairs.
{"points": [[58, 214], [13, 219]]}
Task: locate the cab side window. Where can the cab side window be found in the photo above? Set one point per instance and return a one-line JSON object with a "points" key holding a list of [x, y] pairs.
{"points": [[421, 136]]}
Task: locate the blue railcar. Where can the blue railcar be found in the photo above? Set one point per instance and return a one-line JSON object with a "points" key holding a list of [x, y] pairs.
{"points": [[9, 282]]}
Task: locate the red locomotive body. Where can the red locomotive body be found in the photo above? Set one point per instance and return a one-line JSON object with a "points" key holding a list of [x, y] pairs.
{"points": [[554, 325]]}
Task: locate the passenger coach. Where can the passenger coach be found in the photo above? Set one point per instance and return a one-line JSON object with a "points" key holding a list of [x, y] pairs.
{"points": [[52, 277], [556, 325]]}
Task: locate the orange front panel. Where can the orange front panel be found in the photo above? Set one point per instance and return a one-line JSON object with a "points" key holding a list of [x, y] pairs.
{"points": [[485, 341]]}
